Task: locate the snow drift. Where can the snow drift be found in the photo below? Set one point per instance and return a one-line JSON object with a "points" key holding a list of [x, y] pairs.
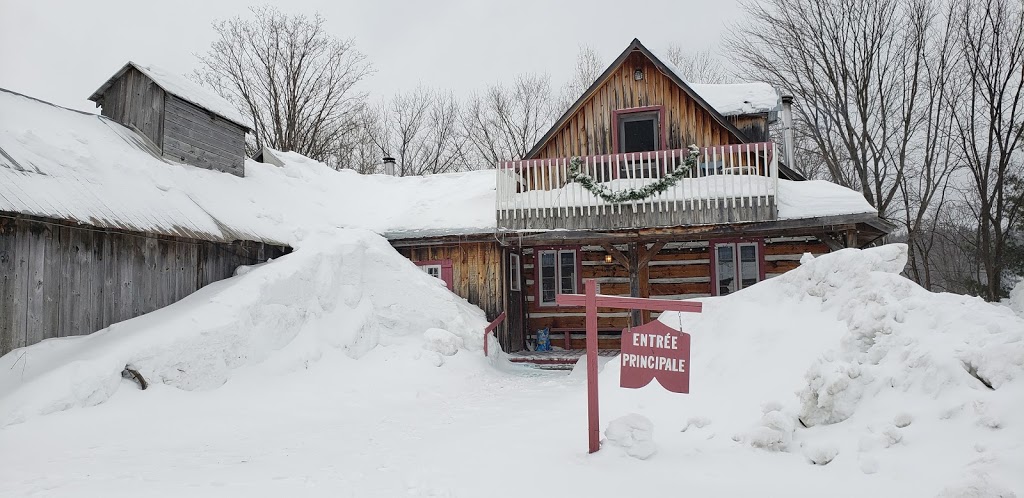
{"points": [[843, 362], [350, 291]]}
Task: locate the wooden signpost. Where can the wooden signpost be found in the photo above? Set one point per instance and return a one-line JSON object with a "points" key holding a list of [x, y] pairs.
{"points": [[648, 362]]}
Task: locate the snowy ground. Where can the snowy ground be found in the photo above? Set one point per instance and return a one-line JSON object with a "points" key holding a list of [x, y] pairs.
{"points": [[891, 380]]}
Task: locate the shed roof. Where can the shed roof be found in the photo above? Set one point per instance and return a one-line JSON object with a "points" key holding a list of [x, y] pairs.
{"points": [[182, 88]]}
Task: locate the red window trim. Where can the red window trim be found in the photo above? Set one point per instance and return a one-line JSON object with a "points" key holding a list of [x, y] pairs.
{"points": [[446, 270], [536, 272], [663, 145], [734, 240]]}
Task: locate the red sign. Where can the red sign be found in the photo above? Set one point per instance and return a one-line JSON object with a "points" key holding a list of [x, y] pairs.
{"points": [[656, 351]]}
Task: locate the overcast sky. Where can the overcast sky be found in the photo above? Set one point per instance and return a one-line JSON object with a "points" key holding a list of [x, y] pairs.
{"points": [[60, 51]]}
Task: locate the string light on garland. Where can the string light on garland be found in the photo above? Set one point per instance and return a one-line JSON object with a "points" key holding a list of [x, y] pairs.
{"points": [[634, 194]]}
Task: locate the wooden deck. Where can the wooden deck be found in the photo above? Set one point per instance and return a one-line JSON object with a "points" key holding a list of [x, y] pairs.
{"points": [[716, 212], [562, 359]]}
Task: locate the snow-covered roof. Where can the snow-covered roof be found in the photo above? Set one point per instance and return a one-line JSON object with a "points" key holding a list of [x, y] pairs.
{"points": [[731, 99], [182, 88], [80, 167]]}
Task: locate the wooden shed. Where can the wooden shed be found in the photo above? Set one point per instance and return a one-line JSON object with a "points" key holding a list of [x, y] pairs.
{"points": [[179, 119], [86, 240]]}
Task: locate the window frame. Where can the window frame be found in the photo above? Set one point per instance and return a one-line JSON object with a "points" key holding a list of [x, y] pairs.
{"points": [[735, 243], [514, 272], [620, 116], [446, 274], [539, 282]]}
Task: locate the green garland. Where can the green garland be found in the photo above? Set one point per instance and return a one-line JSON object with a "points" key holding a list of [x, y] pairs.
{"points": [[633, 194]]}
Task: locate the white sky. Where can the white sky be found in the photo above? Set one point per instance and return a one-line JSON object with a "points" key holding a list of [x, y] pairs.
{"points": [[60, 51]]}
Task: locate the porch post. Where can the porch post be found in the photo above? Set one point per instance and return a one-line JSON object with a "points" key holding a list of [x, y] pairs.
{"points": [[594, 425], [636, 317]]}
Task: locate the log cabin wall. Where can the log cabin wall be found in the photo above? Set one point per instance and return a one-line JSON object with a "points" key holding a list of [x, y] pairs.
{"points": [[479, 272], [681, 270], [589, 130], [58, 280]]}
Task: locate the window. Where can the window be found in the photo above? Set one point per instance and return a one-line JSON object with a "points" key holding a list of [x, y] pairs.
{"points": [[513, 272], [441, 269], [737, 265], [639, 131], [432, 270], [557, 274]]}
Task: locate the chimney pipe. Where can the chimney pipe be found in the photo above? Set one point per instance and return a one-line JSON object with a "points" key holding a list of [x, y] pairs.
{"points": [[389, 165], [787, 129]]}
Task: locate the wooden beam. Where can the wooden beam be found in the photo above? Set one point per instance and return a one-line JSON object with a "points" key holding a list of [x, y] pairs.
{"points": [[616, 254], [630, 303]]}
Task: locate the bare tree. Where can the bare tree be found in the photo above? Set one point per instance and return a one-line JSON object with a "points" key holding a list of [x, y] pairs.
{"points": [[505, 122], [988, 121], [357, 150], [420, 129], [589, 65], [288, 73], [700, 66], [854, 66], [924, 185]]}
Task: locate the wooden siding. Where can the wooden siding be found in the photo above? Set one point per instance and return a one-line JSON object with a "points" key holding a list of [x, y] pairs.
{"points": [[58, 280], [753, 126], [478, 273], [200, 138], [589, 130], [681, 270], [137, 102]]}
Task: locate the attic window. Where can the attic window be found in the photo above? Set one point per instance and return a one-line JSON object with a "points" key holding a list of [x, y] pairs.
{"points": [[639, 131]]}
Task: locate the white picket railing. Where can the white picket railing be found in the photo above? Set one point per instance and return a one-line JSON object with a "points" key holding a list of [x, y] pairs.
{"points": [[736, 175]]}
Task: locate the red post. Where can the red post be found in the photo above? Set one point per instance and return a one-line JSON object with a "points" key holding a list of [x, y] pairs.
{"points": [[592, 406]]}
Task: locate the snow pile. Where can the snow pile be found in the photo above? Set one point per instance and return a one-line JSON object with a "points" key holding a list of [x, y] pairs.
{"points": [[633, 433], [1017, 298], [843, 362], [348, 291]]}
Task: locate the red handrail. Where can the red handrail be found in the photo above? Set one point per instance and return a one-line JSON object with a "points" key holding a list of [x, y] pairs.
{"points": [[493, 325]]}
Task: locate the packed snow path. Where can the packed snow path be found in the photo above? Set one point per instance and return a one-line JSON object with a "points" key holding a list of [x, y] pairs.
{"points": [[903, 392]]}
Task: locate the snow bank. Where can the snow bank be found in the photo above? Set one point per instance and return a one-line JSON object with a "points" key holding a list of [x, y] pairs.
{"points": [[843, 362], [350, 291], [1016, 301]]}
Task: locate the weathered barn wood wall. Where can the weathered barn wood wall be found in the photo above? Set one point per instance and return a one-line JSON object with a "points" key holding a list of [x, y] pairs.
{"points": [[200, 138], [58, 280], [136, 101], [753, 126], [681, 270], [479, 272], [589, 130]]}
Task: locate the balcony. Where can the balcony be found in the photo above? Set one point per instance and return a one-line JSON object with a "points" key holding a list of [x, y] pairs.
{"points": [[729, 184]]}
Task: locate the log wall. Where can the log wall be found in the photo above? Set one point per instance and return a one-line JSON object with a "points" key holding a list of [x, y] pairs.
{"points": [[58, 280], [479, 275], [681, 270], [589, 130]]}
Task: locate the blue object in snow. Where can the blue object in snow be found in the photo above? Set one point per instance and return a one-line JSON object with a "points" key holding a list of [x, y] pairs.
{"points": [[543, 340]]}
